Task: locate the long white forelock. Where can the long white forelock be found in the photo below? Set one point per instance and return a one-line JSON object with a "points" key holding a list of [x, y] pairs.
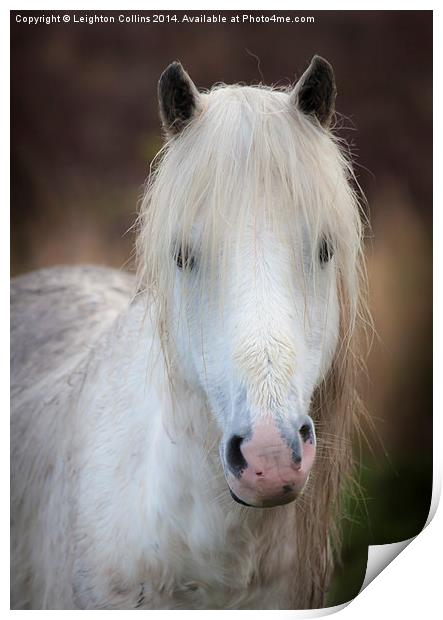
{"points": [[250, 154]]}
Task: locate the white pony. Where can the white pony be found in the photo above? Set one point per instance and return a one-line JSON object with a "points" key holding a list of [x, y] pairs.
{"points": [[161, 430]]}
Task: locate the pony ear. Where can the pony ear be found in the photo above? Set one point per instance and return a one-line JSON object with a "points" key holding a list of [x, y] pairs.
{"points": [[315, 92], [178, 97]]}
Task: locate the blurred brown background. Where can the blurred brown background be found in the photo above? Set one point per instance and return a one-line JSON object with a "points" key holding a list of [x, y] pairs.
{"points": [[85, 128]]}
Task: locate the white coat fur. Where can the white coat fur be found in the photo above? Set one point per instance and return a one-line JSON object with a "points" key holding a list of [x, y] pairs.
{"points": [[118, 494]]}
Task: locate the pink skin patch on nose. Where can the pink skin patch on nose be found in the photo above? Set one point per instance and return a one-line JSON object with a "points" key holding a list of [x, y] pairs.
{"points": [[271, 476]]}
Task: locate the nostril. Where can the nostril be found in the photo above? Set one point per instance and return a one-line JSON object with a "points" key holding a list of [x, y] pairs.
{"points": [[234, 457], [306, 433]]}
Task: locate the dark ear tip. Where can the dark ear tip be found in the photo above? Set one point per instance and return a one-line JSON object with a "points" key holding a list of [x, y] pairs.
{"points": [[172, 72], [315, 92], [178, 98], [320, 60], [320, 64]]}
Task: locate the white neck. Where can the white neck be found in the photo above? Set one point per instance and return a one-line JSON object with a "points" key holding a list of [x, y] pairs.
{"points": [[158, 473]]}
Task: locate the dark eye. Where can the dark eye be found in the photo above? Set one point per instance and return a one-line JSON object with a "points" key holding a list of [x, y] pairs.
{"points": [[184, 258], [325, 252]]}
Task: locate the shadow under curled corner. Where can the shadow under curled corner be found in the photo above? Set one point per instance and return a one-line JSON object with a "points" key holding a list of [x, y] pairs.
{"points": [[398, 505], [380, 556]]}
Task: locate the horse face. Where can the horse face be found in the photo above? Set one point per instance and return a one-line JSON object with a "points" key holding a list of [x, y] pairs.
{"points": [[256, 330], [258, 345]]}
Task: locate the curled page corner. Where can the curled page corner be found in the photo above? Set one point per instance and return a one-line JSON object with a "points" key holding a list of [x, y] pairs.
{"points": [[379, 556]]}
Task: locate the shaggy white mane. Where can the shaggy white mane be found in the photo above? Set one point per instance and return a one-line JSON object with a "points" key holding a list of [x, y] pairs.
{"points": [[249, 153]]}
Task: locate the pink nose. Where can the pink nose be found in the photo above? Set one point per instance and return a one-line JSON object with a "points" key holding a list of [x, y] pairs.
{"points": [[268, 469]]}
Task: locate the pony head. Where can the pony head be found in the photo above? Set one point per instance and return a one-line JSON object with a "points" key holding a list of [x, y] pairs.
{"points": [[250, 243]]}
